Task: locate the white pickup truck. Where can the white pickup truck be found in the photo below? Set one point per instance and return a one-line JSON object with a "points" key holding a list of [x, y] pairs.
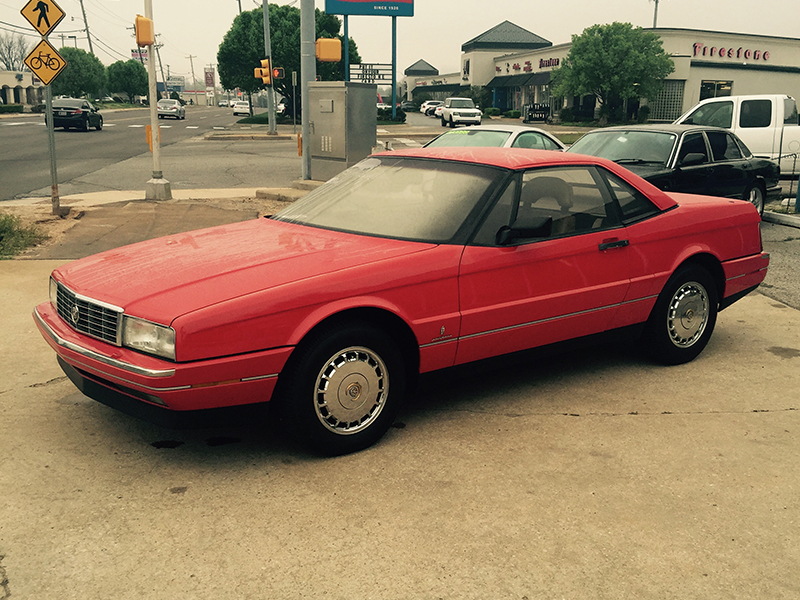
{"points": [[767, 124]]}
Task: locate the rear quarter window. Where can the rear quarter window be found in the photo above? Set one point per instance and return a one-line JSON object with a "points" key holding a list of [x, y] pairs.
{"points": [[756, 113]]}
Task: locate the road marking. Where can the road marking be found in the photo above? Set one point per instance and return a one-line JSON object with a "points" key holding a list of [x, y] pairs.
{"points": [[135, 126], [409, 143], [109, 124], [165, 126], [192, 127], [15, 124]]}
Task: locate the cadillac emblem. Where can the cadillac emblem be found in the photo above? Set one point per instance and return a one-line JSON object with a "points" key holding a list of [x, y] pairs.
{"points": [[75, 315]]}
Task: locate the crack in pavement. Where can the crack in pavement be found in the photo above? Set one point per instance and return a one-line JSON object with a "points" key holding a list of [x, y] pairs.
{"points": [[5, 591]]}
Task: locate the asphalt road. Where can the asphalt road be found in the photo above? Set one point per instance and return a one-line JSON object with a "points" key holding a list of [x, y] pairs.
{"points": [[24, 152]]}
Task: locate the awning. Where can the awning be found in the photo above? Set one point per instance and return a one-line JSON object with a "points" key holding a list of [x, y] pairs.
{"points": [[498, 81], [539, 78]]}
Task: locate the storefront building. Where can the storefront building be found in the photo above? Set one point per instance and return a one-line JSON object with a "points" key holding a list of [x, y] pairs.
{"points": [[17, 87], [707, 64]]}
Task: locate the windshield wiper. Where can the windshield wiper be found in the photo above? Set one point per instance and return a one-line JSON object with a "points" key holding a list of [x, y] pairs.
{"points": [[637, 161]]}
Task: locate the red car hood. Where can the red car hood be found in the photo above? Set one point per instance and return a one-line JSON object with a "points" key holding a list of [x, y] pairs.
{"points": [[164, 278]]}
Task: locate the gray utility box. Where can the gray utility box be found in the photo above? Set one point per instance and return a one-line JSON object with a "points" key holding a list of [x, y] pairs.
{"points": [[342, 125]]}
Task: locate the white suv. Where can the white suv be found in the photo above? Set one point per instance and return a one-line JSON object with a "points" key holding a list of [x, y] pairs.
{"points": [[460, 110]]}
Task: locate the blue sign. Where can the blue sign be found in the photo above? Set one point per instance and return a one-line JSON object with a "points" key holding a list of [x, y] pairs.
{"points": [[387, 8]]}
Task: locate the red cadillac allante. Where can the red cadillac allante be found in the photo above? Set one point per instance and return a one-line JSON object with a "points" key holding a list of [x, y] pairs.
{"points": [[408, 262]]}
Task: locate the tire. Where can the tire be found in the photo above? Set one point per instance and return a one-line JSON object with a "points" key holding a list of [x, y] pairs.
{"points": [[342, 391], [683, 318], [99, 126], [452, 125], [85, 124], [755, 196], [444, 123]]}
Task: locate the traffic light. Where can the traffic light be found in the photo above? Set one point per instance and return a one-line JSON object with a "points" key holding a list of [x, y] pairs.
{"points": [[264, 73], [278, 73], [145, 31]]}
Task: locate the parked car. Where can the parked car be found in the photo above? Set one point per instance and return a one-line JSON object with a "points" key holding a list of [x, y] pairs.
{"points": [[459, 111], [687, 158], [408, 105], [427, 107], [77, 113], [437, 111], [222, 103], [170, 108], [767, 123], [505, 136], [241, 108], [333, 307]]}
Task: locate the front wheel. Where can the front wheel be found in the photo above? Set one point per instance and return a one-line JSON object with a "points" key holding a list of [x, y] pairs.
{"points": [[452, 125], [99, 125], [342, 391], [683, 318], [444, 123], [755, 196]]}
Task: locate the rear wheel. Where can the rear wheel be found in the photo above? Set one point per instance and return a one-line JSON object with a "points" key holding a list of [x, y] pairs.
{"points": [[683, 317], [755, 196], [343, 389], [85, 124]]}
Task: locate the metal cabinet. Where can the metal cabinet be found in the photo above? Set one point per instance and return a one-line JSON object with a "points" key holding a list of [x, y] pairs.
{"points": [[342, 125]]}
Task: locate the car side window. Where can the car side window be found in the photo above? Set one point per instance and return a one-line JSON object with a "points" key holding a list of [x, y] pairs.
{"points": [[723, 146], [693, 144], [715, 114], [534, 140], [560, 202], [633, 204], [755, 113]]}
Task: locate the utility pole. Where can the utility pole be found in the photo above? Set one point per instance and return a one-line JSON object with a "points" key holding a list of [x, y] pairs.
{"points": [[273, 130], [194, 79], [86, 23], [161, 67], [655, 15], [308, 73]]}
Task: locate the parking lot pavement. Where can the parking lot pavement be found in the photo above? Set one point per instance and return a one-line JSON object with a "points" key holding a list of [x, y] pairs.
{"points": [[586, 475]]}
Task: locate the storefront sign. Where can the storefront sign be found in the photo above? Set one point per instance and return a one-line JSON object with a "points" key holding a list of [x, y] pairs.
{"points": [[740, 53], [548, 62], [393, 8]]}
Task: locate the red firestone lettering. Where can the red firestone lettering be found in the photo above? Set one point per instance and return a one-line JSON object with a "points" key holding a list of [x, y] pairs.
{"points": [[697, 47], [766, 55], [739, 53], [748, 53], [757, 55]]}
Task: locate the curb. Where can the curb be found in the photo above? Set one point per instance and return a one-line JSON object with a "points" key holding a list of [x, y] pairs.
{"points": [[781, 219]]}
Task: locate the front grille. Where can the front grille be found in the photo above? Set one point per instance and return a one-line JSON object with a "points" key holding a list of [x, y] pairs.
{"points": [[101, 321]]}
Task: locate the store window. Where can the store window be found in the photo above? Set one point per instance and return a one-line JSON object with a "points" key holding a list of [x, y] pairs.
{"points": [[715, 89]]}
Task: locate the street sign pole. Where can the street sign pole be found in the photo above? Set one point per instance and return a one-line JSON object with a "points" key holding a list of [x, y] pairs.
{"points": [[51, 139], [273, 130], [308, 73], [45, 61]]}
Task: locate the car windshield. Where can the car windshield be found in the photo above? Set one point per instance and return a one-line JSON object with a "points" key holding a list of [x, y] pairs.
{"points": [[627, 147], [424, 200], [470, 137], [462, 103], [167, 102]]}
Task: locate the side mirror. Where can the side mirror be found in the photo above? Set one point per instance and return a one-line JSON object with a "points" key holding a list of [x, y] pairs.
{"points": [[523, 229], [693, 158]]}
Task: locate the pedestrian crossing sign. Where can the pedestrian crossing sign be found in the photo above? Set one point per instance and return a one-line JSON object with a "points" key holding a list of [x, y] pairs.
{"points": [[44, 15]]}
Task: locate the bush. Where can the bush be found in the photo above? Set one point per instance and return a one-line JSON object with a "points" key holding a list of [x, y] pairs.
{"points": [[492, 112], [512, 114], [566, 115], [10, 108], [643, 114], [385, 114], [15, 238]]}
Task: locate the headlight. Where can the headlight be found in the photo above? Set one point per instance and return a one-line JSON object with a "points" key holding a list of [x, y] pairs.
{"points": [[148, 337], [54, 293]]}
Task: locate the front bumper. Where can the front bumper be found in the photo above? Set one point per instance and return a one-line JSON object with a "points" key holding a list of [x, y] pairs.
{"points": [[124, 377]]}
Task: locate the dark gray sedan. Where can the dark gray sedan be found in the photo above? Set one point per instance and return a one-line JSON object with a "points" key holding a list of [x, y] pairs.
{"points": [[687, 158], [77, 113]]}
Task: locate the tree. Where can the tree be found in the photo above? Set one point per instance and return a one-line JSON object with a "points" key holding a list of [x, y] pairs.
{"points": [[128, 76], [13, 50], [614, 62], [84, 74], [242, 48]]}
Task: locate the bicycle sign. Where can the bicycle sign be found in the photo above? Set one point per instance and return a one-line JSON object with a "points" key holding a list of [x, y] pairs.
{"points": [[44, 15], [45, 62]]}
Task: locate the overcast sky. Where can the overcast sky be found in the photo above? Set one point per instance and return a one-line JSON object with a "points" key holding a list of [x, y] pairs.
{"points": [[435, 33]]}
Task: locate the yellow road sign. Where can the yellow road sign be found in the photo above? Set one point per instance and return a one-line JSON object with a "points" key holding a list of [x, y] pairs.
{"points": [[44, 15], [45, 62]]}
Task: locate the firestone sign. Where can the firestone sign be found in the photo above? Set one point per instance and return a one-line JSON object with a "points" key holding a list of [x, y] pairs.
{"points": [[701, 49]]}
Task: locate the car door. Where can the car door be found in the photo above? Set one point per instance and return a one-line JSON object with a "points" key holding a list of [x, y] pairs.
{"points": [[732, 171], [567, 283], [693, 171]]}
